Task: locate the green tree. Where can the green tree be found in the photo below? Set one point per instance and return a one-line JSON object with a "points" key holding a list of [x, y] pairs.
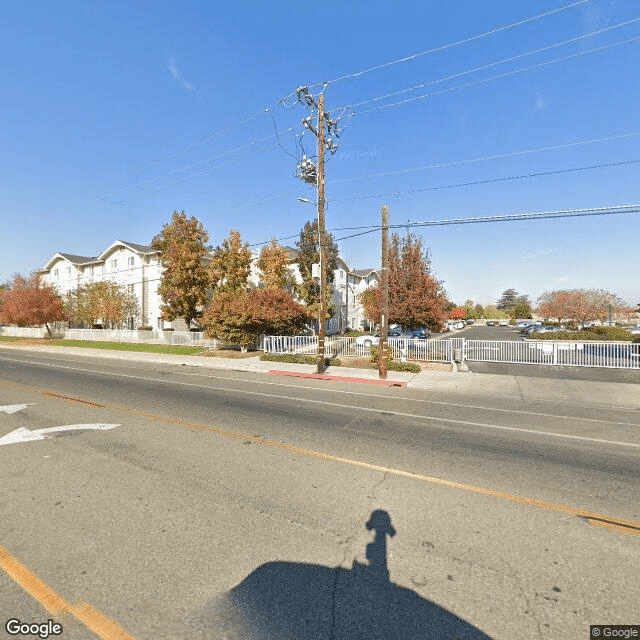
{"points": [[231, 264], [416, 298], [308, 255], [182, 244]]}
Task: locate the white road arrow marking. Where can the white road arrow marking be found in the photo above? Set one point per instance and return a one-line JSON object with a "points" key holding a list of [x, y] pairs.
{"points": [[24, 435], [13, 408]]}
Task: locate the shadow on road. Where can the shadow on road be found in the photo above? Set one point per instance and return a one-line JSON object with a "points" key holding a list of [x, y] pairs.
{"points": [[294, 601]]}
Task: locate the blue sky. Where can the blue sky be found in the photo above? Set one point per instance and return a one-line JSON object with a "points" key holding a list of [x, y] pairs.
{"points": [[115, 114]]}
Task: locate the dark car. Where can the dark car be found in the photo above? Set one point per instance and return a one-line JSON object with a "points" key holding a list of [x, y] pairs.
{"points": [[422, 333], [492, 323]]}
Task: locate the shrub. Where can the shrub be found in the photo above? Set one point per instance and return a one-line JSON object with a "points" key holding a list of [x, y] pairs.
{"points": [[594, 333], [353, 334], [169, 329], [145, 327], [411, 367], [297, 358]]}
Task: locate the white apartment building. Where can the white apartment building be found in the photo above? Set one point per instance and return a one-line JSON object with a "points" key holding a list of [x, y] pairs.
{"points": [[138, 268]]}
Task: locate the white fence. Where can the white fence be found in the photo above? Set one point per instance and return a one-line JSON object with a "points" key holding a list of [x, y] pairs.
{"points": [[413, 349], [186, 338], [23, 332], [618, 355]]}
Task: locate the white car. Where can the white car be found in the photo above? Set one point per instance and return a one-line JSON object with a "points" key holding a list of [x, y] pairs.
{"points": [[367, 341], [504, 323]]}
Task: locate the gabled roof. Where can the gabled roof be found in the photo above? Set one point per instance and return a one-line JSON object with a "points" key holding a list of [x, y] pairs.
{"points": [[138, 248], [69, 257], [363, 273]]}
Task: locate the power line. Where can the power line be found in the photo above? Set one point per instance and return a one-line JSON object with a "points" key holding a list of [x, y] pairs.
{"points": [[568, 213], [494, 64], [454, 44], [500, 156], [490, 180], [497, 77]]}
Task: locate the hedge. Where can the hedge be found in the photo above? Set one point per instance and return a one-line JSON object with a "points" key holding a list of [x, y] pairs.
{"points": [[298, 359]]}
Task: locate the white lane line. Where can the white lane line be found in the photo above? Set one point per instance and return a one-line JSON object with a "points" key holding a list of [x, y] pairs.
{"points": [[14, 408], [24, 435], [367, 409], [368, 395]]}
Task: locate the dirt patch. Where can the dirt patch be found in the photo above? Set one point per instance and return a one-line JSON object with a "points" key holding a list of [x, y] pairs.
{"points": [[232, 354], [365, 363]]}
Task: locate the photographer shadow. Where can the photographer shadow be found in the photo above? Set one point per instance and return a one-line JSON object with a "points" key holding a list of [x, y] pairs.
{"points": [[295, 601]]}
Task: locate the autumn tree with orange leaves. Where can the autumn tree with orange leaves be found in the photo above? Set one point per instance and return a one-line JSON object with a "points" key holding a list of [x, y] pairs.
{"points": [[182, 244], [30, 302], [416, 298], [274, 267], [231, 264]]}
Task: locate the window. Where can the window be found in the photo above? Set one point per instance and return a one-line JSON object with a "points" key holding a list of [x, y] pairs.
{"points": [[130, 288], [88, 271], [102, 269], [55, 274], [114, 263], [160, 323], [68, 271], [130, 262]]}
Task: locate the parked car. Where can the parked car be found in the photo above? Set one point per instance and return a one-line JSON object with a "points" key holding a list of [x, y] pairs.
{"points": [[422, 333], [492, 323], [504, 323], [634, 330], [470, 321], [374, 340]]}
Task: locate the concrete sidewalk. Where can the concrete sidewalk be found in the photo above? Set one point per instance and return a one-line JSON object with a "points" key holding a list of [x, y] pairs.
{"points": [[612, 394]]}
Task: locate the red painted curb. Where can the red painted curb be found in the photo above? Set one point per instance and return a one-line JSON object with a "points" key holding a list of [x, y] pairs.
{"points": [[319, 376]]}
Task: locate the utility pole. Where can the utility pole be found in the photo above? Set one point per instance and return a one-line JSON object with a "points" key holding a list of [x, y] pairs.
{"points": [[308, 173], [321, 234], [384, 297]]}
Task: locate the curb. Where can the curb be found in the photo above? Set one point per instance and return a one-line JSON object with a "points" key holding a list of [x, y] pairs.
{"points": [[320, 376]]}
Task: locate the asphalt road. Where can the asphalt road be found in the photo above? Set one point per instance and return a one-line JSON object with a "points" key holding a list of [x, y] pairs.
{"points": [[235, 505]]}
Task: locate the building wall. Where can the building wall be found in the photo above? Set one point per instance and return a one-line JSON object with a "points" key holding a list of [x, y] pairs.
{"points": [[140, 272]]}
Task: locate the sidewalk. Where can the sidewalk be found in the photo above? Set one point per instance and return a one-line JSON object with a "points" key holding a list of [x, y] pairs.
{"points": [[612, 394]]}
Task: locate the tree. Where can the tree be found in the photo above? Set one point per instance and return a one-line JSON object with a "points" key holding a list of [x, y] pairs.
{"points": [[457, 313], [273, 263], [105, 301], [184, 283], [522, 310], [241, 317], [29, 302], [495, 313], [231, 264], [308, 255], [579, 304], [416, 298], [508, 300]]}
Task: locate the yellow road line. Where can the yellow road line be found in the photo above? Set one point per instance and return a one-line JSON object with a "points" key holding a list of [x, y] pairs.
{"points": [[56, 604], [630, 527]]}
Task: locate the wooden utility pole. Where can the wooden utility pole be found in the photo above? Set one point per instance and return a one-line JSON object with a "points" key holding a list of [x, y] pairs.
{"points": [[321, 234], [384, 297]]}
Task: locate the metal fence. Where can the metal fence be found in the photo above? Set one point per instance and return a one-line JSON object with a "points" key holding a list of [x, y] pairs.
{"points": [[186, 338], [618, 355], [409, 349], [23, 332]]}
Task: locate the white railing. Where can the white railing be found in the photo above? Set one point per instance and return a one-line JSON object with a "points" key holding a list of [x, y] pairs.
{"points": [[411, 349], [23, 332], [185, 338], [619, 355]]}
